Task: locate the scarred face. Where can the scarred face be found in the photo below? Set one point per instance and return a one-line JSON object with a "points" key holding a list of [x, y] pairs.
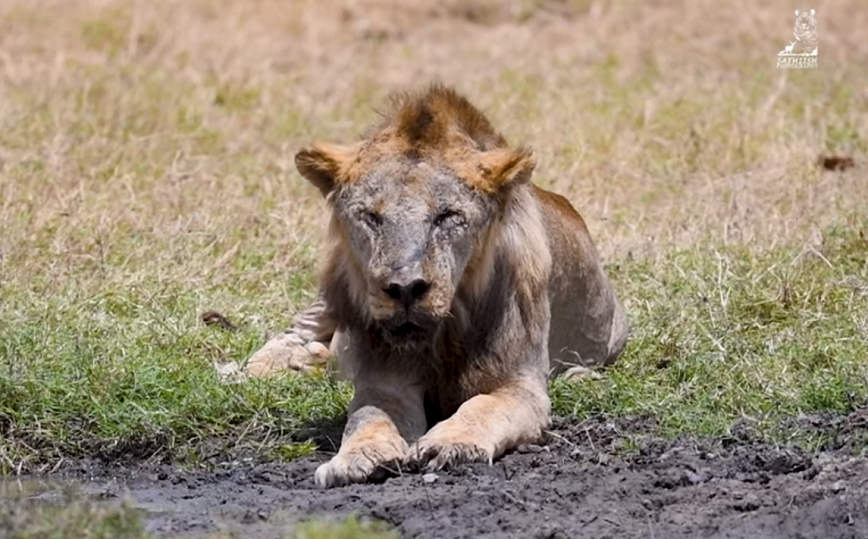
{"points": [[413, 205], [413, 227]]}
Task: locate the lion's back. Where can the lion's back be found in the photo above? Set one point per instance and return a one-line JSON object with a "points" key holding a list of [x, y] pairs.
{"points": [[588, 327]]}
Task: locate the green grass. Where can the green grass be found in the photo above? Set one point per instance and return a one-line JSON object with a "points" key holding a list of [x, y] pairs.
{"points": [[719, 334], [75, 516], [131, 372], [723, 334], [121, 373]]}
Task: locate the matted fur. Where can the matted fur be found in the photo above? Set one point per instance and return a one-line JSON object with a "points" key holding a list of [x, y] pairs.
{"points": [[437, 124]]}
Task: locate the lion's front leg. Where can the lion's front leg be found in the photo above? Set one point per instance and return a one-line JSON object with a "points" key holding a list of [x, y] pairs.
{"points": [[485, 427], [384, 415]]}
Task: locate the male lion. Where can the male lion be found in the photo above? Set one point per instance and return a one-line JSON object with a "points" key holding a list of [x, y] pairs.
{"points": [[453, 287]]}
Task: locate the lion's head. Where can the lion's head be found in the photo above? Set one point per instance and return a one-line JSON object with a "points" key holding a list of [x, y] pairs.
{"points": [[805, 22], [413, 205]]}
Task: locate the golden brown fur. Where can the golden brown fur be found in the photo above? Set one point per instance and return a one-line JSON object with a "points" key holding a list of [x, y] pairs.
{"points": [[452, 288], [424, 129]]}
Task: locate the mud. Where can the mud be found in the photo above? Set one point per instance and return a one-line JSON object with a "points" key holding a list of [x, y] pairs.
{"points": [[597, 478]]}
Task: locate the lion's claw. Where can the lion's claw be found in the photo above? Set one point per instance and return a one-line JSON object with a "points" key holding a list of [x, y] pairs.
{"points": [[359, 466], [341, 471], [434, 457]]}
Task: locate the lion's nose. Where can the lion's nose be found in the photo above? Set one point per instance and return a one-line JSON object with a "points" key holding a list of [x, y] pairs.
{"points": [[407, 293]]}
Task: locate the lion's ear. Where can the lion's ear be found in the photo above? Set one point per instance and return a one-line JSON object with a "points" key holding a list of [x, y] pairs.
{"points": [[324, 164], [505, 168], [797, 13]]}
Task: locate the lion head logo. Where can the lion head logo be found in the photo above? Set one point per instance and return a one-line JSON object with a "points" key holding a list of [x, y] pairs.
{"points": [[805, 32]]}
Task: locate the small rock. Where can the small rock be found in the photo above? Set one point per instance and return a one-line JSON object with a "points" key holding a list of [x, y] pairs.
{"points": [[835, 162], [213, 318], [430, 478], [230, 373], [692, 478], [749, 503], [580, 373]]}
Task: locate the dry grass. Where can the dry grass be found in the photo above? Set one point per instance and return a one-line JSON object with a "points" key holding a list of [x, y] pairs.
{"points": [[142, 138]]}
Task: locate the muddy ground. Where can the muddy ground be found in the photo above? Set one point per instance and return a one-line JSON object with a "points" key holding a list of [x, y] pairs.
{"points": [[597, 478]]}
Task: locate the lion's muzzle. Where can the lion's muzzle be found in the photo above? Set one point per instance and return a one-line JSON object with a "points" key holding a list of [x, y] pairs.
{"points": [[406, 283], [407, 293]]}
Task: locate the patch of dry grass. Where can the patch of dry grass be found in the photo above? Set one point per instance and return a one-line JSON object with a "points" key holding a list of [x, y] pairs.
{"points": [[156, 138]]}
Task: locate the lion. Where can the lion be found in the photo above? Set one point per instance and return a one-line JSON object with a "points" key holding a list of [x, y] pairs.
{"points": [[453, 288], [805, 32]]}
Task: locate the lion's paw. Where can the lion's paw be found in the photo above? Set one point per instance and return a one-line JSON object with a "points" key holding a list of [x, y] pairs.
{"points": [[360, 465], [288, 352], [438, 451]]}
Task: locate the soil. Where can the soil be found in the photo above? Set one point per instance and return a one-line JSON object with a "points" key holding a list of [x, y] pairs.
{"points": [[598, 478]]}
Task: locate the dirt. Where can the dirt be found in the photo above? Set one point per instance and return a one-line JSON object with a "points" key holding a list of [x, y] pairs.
{"points": [[598, 478]]}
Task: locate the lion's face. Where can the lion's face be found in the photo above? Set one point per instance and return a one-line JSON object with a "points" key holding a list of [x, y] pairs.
{"points": [[412, 227], [805, 22], [413, 204]]}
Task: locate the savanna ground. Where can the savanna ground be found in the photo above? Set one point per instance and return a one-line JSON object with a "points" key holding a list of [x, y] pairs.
{"points": [[146, 176]]}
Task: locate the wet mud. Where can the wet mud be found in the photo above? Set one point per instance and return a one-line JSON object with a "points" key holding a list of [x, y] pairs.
{"points": [[596, 478]]}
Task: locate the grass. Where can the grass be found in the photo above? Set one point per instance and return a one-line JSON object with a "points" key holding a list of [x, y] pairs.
{"points": [[72, 517], [146, 176], [75, 516], [719, 334], [724, 334]]}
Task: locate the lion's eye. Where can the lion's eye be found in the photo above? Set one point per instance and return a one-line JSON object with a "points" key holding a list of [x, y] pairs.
{"points": [[448, 218], [373, 220]]}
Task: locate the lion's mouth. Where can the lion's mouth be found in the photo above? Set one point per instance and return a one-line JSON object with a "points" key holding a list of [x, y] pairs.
{"points": [[408, 329]]}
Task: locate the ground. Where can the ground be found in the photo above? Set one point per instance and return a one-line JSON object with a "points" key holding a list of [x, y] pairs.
{"points": [[146, 178], [595, 478]]}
